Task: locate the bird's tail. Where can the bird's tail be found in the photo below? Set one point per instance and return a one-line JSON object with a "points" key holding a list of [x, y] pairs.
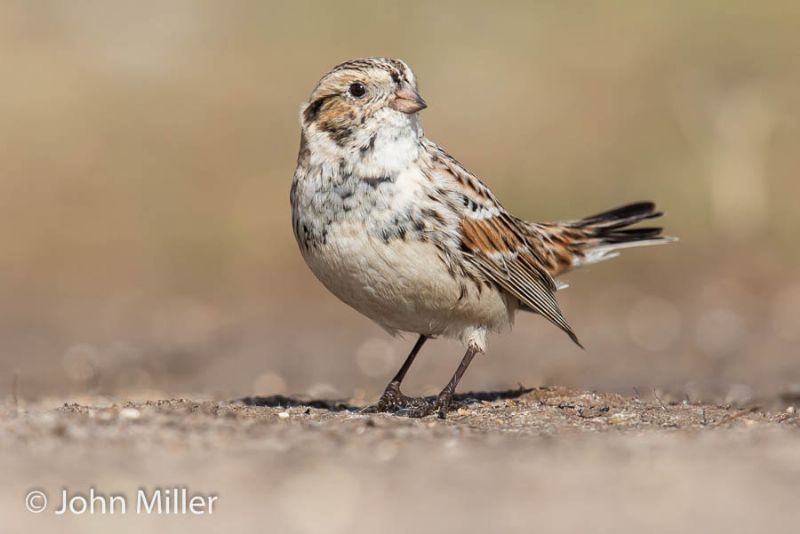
{"points": [[600, 237]]}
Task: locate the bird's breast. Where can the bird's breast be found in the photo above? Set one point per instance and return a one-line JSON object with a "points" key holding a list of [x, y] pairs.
{"points": [[386, 248], [382, 206]]}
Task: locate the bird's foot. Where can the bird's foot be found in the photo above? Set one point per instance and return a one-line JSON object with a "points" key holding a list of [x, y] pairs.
{"points": [[424, 407], [395, 402], [392, 401], [443, 403]]}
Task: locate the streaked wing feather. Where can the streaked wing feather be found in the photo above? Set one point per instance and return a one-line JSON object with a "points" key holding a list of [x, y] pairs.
{"points": [[519, 274], [498, 245]]}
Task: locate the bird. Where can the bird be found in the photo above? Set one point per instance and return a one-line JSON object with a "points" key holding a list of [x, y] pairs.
{"points": [[399, 230]]}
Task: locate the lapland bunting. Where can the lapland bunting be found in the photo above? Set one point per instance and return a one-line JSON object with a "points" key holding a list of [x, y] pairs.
{"points": [[398, 229]]}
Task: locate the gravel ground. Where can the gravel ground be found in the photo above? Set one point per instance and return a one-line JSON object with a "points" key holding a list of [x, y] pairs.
{"points": [[546, 460]]}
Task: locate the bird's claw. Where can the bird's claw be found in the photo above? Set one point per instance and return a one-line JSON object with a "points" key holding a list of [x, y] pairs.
{"points": [[395, 402]]}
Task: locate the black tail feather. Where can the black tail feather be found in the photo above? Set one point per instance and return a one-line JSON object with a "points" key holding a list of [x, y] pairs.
{"points": [[601, 236], [629, 234], [612, 226], [622, 216]]}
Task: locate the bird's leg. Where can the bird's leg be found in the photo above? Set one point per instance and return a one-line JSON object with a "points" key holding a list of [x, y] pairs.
{"points": [[423, 407], [446, 396], [393, 399]]}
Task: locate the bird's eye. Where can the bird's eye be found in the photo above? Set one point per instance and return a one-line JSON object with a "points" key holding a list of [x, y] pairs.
{"points": [[357, 89]]}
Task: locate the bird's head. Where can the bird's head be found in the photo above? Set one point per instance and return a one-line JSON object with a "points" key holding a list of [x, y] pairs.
{"points": [[357, 98]]}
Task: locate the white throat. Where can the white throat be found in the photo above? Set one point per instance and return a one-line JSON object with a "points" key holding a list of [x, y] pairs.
{"points": [[387, 144]]}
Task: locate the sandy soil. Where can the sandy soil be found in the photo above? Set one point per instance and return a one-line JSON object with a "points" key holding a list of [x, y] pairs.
{"points": [[546, 460]]}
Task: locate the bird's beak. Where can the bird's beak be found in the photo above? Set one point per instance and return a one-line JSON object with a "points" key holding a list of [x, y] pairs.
{"points": [[407, 100]]}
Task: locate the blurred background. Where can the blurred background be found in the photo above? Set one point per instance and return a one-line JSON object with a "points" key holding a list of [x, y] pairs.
{"points": [[146, 152]]}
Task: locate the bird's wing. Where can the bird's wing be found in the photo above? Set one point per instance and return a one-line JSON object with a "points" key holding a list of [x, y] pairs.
{"points": [[499, 245]]}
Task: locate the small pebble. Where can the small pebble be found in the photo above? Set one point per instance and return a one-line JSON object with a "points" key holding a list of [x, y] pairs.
{"points": [[620, 418], [129, 413], [283, 415], [791, 410]]}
